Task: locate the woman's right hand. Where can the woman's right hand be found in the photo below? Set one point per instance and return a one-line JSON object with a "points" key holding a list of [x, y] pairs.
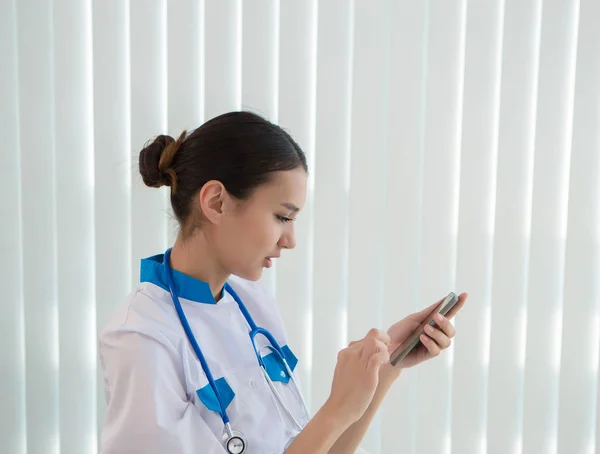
{"points": [[354, 384], [357, 374]]}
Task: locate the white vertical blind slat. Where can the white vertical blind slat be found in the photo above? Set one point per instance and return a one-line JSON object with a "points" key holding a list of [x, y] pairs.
{"points": [[334, 63], [548, 224], [260, 74], [368, 140], [260, 53], [516, 130], [296, 111], [185, 76], [112, 166], [579, 363], [402, 216], [443, 115], [370, 88], [12, 365], [148, 119], [75, 224], [223, 65], [475, 223], [38, 198]]}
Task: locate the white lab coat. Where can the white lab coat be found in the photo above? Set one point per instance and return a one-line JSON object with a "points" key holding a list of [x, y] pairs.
{"points": [[152, 374]]}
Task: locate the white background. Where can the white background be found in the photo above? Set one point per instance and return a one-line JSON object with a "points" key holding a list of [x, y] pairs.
{"points": [[452, 144]]}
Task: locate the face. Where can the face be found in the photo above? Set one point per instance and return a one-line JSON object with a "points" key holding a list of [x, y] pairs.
{"points": [[251, 234]]}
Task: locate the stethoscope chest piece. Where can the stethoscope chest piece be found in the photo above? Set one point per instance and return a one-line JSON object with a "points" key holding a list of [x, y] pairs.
{"points": [[236, 443]]}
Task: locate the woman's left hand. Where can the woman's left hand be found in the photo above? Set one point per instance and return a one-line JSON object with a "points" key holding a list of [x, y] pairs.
{"points": [[432, 343]]}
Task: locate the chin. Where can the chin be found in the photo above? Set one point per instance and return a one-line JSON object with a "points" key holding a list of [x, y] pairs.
{"points": [[250, 275]]}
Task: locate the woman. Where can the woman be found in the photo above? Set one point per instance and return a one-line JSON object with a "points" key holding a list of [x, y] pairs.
{"points": [[181, 372]]}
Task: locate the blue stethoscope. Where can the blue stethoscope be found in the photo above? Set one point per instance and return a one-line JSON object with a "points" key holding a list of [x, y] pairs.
{"points": [[234, 441]]}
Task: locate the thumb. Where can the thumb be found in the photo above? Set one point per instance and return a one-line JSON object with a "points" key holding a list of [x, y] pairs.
{"points": [[422, 315]]}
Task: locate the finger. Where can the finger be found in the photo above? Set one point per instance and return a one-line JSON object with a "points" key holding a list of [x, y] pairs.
{"points": [[379, 335], [377, 360], [441, 339], [372, 346], [445, 325], [430, 345], [427, 311], [354, 348], [462, 298]]}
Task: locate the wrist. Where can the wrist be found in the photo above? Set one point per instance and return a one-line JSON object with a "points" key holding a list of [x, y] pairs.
{"points": [[335, 417], [388, 374], [321, 432]]}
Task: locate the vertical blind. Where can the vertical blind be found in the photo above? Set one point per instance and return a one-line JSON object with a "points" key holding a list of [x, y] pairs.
{"points": [[452, 145]]}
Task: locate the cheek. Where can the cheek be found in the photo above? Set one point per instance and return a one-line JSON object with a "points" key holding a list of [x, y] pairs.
{"points": [[261, 233], [252, 236], [246, 246]]}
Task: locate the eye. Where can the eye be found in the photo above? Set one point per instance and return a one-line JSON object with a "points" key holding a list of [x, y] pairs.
{"points": [[283, 219]]}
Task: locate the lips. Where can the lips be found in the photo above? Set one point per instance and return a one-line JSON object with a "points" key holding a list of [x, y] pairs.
{"points": [[268, 262]]}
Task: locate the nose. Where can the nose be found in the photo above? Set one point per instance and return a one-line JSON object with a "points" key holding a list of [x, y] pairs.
{"points": [[288, 239]]}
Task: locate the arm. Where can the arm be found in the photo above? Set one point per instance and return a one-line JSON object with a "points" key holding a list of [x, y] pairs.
{"points": [[320, 433], [351, 438], [354, 385], [147, 407], [434, 341]]}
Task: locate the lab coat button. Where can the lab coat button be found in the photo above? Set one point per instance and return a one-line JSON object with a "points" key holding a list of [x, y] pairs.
{"points": [[282, 373], [251, 384]]}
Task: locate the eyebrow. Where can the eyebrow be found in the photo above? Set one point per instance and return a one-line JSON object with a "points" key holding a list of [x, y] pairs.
{"points": [[290, 206]]}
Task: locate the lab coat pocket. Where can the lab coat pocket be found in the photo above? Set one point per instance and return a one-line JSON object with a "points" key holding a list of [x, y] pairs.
{"points": [[275, 366], [207, 395]]}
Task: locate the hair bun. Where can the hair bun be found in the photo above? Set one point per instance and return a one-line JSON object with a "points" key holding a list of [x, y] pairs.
{"points": [[156, 159]]}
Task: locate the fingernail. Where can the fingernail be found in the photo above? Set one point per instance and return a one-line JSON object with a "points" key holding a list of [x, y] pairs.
{"points": [[429, 329], [439, 318]]}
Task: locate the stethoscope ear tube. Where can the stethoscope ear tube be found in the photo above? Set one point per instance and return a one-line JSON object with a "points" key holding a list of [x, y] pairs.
{"points": [[233, 440], [190, 335]]}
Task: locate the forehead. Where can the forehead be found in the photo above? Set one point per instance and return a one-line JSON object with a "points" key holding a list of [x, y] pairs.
{"points": [[284, 187]]}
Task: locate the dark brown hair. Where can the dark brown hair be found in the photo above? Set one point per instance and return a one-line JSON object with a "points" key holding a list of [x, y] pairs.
{"points": [[239, 149]]}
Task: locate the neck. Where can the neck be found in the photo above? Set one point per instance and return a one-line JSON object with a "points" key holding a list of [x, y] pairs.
{"points": [[195, 258]]}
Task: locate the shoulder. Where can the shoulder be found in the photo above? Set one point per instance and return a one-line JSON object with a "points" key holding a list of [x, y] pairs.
{"points": [[146, 311]]}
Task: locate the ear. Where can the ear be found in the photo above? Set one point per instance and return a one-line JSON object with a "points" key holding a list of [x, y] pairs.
{"points": [[213, 197]]}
